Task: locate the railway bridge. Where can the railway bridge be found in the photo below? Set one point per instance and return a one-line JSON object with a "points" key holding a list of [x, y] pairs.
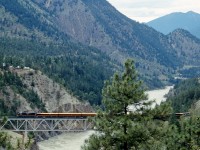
{"points": [[63, 122], [68, 122], [45, 124]]}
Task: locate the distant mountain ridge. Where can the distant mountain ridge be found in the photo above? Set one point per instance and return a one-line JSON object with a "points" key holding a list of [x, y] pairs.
{"points": [[189, 21]]}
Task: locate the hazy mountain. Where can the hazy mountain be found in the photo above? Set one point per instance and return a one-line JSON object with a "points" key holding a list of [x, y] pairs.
{"points": [[189, 21]]}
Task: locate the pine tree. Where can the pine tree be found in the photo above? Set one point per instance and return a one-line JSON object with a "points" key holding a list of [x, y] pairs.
{"points": [[117, 127], [186, 135]]}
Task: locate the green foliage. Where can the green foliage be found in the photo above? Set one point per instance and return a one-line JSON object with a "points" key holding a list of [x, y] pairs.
{"points": [[185, 94], [117, 128], [80, 69], [30, 18], [162, 111], [185, 135], [6, 110], [143, 128], [5, 141], [34, 99], [13, 81], [8, 78]]}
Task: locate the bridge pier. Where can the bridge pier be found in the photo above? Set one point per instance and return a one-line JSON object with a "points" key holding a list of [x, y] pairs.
{"points": [[24, 138]]}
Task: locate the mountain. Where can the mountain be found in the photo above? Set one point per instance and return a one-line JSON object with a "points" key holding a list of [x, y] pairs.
{"points": [[186, 46], [100, 25], [29, 38], [185, 96], [55, 28], [81, 43], [189, 21]]}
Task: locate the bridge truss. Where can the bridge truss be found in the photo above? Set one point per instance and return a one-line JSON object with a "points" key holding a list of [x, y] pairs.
{"points": [[45, 124]]}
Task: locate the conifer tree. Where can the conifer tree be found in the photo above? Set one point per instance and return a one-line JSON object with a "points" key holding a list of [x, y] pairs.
{"points": [[117, 127], [186, 134]]}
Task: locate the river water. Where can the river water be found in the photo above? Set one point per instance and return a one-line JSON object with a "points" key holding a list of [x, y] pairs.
{"points": [[65, 141], [158, 95], [73, 141]]}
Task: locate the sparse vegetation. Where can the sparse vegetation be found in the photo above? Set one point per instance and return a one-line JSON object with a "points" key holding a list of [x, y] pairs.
{"points": [[9, 106]]}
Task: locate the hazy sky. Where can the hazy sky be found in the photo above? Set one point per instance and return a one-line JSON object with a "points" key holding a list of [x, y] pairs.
{"points": [[146, 10]]}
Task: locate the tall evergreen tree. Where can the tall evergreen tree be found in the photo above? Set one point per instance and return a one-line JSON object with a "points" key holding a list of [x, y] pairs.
{"points": [[117, 127]]}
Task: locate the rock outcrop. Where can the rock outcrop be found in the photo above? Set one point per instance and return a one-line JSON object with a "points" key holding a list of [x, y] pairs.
{"points": [[54, 96]]}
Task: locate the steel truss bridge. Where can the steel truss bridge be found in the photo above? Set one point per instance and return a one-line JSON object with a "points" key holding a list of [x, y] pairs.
{"points": [[45, 124]]}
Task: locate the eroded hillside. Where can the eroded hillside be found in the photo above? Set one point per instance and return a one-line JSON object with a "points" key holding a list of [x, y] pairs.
{"points": [[48, 95]]}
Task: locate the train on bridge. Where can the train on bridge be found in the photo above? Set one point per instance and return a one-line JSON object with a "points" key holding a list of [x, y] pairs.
{"points": [[74, 115], [55, 115]]}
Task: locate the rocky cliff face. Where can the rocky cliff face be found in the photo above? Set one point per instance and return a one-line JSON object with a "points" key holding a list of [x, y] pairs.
{"points": [[51, 93], [76, 19], [54, 96], [10, 99], [100, 25]]}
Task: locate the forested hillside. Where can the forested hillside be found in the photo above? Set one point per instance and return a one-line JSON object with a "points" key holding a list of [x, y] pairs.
{"points": [[80, 69], [185, 95], [28, 38], [37, 43], [80, 46], [186, 46], [23, 19], [100, 25]]}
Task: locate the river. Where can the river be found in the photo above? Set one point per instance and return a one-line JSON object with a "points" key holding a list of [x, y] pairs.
{"points": [[158, 95], [65, 141], [73, 141]]}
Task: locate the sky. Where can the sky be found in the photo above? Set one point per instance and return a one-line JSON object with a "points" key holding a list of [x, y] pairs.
{"points": [[147, 10]]}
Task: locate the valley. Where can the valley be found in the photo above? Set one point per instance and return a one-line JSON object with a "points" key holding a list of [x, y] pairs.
{"points": [[59, 56]]}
